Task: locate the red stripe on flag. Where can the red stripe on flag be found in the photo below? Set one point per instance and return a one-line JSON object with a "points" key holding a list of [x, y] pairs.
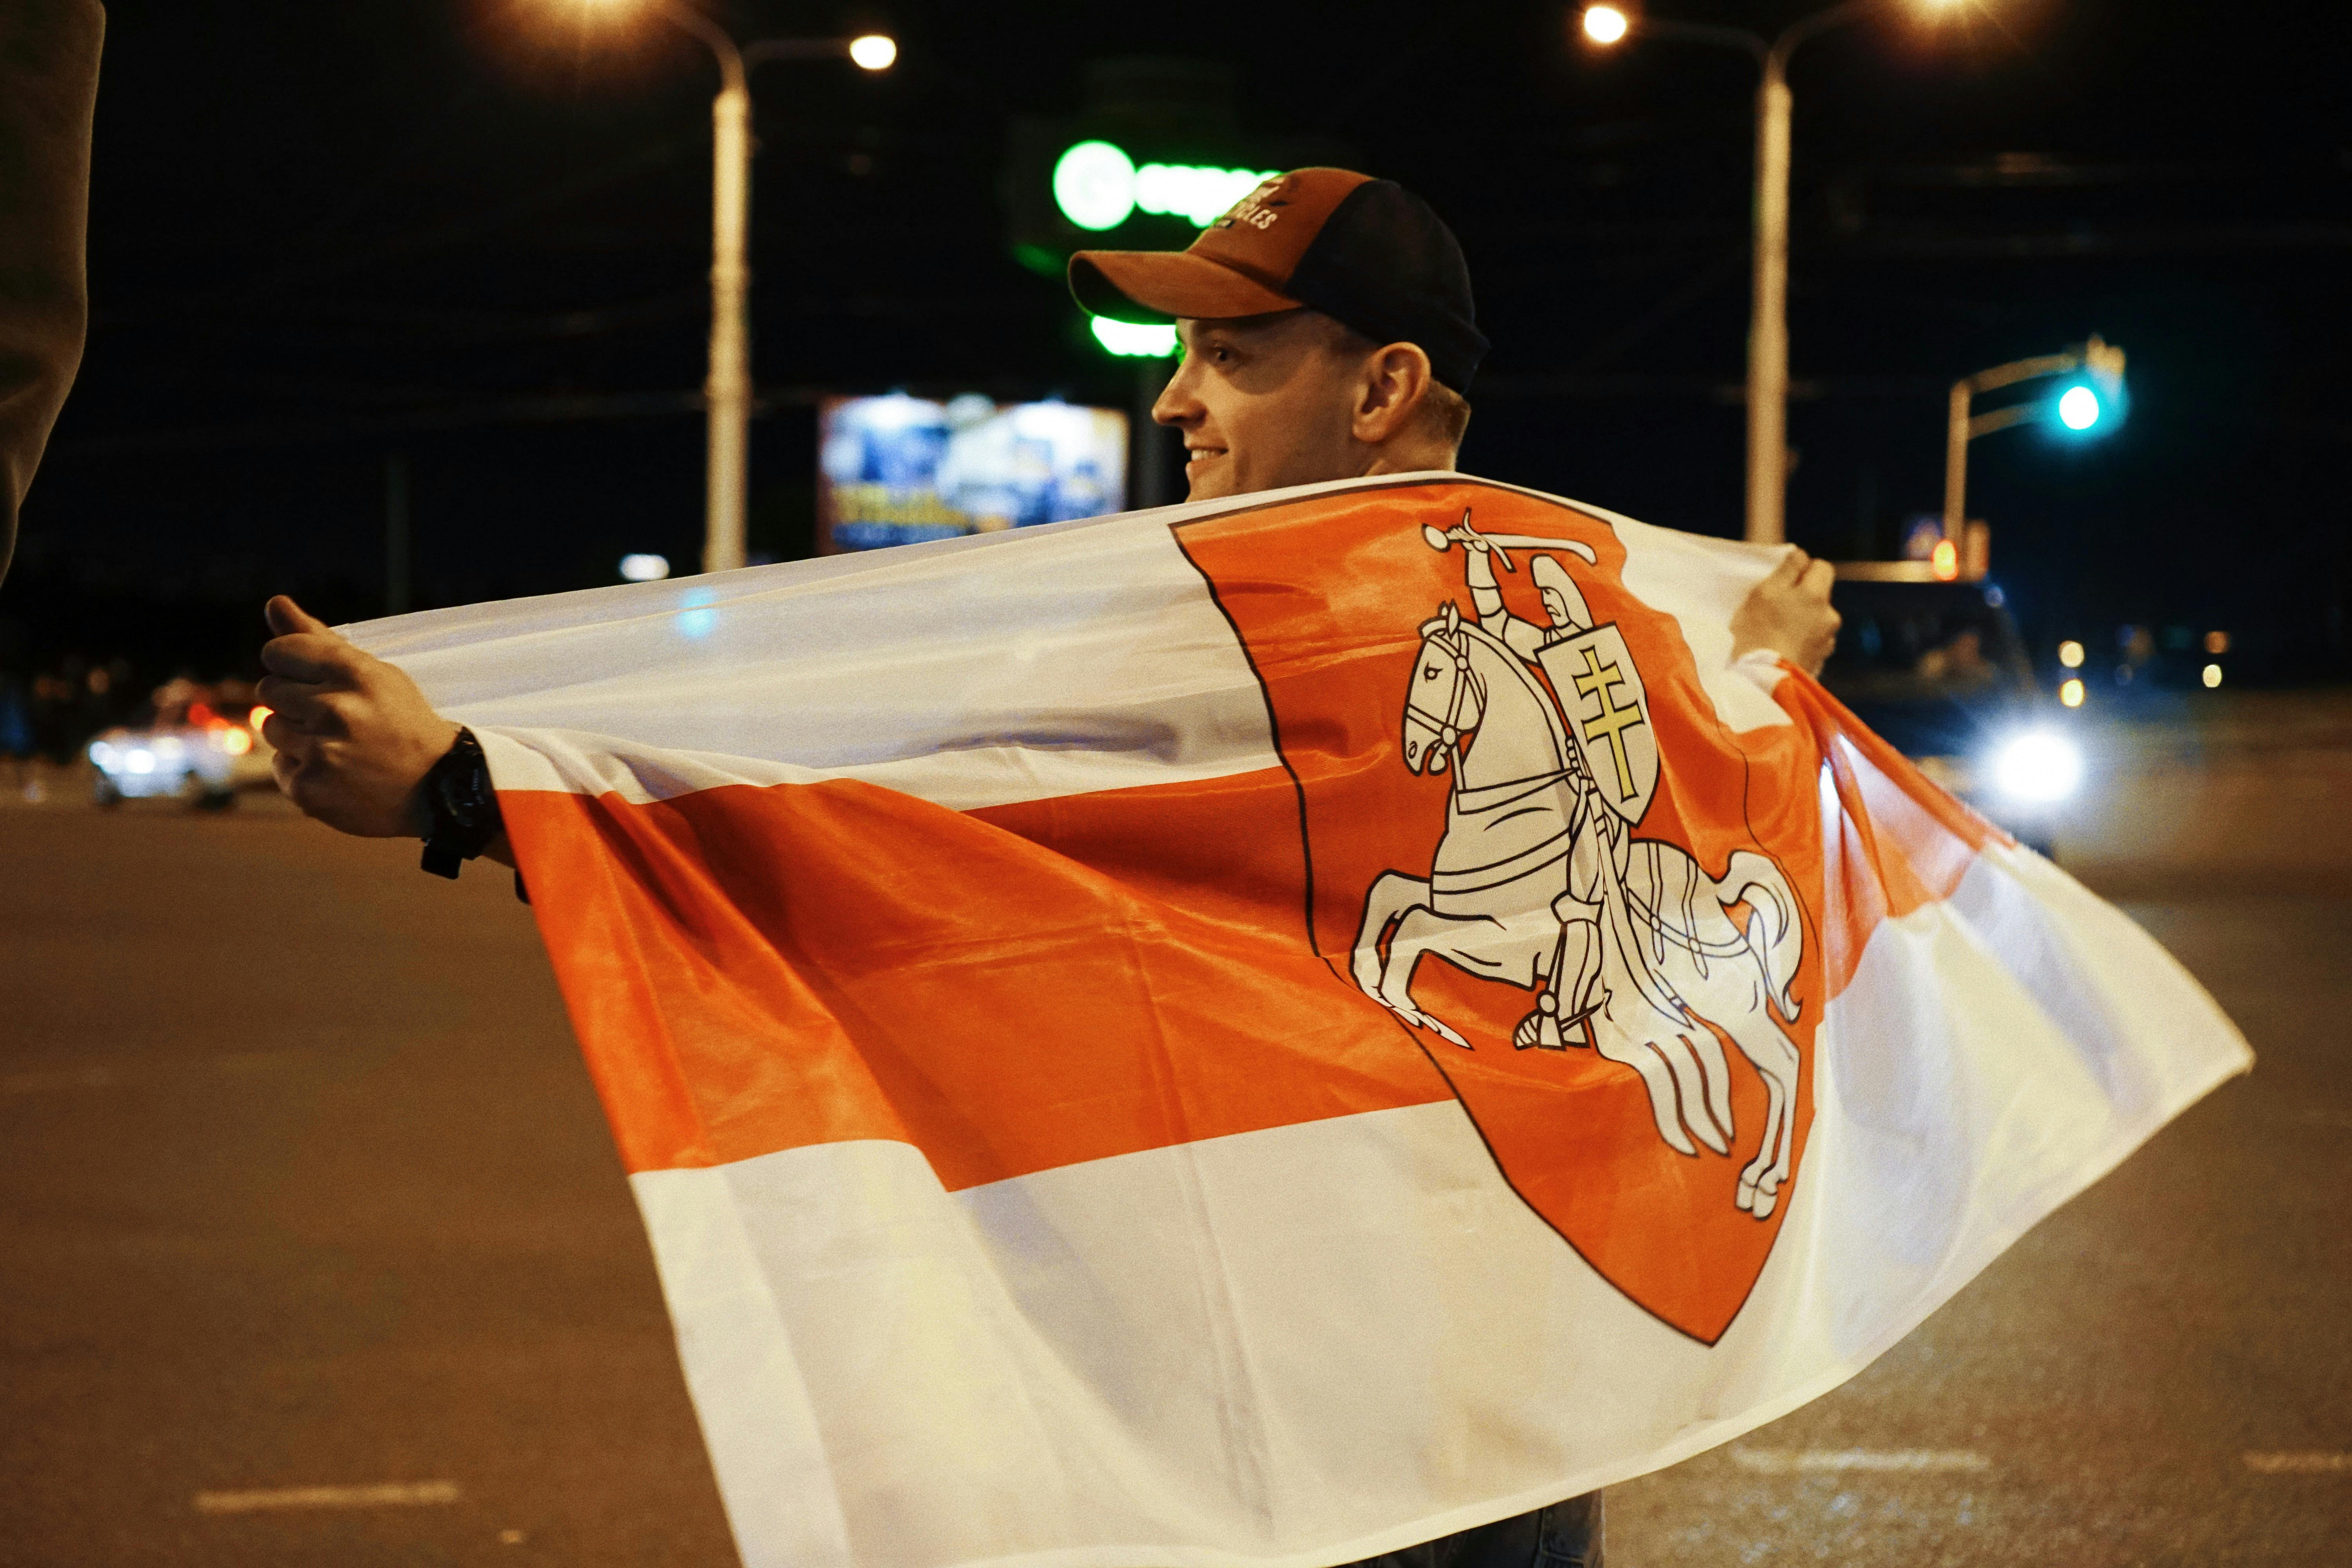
{"points": [[751, 970]]}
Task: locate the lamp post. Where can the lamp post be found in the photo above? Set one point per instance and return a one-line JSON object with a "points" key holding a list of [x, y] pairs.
{"points": [[2102, 361], [727, 388], [1768, 321]]}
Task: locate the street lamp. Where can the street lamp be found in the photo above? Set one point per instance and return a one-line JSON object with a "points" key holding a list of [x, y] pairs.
{"points": [[1605, 23], [2081, 408], [1768, 329], [726, 389]]}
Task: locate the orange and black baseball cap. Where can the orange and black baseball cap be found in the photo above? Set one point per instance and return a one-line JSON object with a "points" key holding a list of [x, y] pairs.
{"points": [[1368, 253]]}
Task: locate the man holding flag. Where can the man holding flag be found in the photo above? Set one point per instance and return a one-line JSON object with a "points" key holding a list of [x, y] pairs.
{"points": [[1030, 1183]]}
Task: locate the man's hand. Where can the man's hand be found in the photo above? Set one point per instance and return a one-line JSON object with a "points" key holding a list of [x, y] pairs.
{"points": [[1789, 614], [355, 735]]}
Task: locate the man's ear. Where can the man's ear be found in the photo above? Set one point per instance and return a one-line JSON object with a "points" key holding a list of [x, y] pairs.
{"points": [[1395, 379]]}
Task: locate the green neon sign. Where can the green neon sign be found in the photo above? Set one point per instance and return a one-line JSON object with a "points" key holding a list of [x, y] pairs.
{"points": [[1134, 340], [1098, 186]]}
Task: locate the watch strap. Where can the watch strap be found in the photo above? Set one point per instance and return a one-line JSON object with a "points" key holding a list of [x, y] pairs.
{"points": [[461, 807]]}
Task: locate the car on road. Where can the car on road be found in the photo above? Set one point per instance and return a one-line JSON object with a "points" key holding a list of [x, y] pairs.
{"points": [[1939, 671], [193, 744]]}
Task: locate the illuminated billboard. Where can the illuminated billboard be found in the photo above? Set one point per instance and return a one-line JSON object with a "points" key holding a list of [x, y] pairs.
{"points": [[900, 469]]}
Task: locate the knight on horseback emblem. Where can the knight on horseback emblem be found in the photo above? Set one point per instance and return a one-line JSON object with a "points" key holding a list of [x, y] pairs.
{"points": [[1538, 881]]}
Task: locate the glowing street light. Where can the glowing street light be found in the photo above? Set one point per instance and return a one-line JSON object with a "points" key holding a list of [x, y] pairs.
{"points": [[727, 388], [1767, 320], [1605, 23]]}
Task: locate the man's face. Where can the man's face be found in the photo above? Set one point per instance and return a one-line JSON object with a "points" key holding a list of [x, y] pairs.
{"points": [[1263, 402]]}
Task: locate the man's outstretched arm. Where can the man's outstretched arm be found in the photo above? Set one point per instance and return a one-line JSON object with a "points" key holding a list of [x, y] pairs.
{"points": [[355, 736], [1789, 614]]}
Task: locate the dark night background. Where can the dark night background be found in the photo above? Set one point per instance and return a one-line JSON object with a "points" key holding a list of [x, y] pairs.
{"points": [[468, 234]]}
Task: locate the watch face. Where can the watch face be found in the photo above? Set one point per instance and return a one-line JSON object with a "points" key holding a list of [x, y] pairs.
{"points": [[463, 786]]}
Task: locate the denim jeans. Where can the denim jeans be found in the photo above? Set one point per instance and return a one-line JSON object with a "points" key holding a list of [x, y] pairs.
{"points": [[1565, 1535]]}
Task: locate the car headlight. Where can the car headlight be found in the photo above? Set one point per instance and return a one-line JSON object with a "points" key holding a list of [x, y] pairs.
{"points": [[2037, 766], [140, 760], [102, 754]]}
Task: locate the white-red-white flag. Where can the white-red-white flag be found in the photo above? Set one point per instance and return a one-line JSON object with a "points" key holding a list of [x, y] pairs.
{"points": [[1211, 1037]]}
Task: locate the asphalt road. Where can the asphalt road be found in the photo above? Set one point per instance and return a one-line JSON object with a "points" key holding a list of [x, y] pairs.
{"points": [[306, 1187]]}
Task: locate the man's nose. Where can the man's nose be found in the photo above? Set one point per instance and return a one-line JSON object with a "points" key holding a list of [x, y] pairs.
{"points": [[1176, 405]]}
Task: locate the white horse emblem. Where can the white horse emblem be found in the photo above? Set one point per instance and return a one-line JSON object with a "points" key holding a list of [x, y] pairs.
{"points": [[1537, 882]]}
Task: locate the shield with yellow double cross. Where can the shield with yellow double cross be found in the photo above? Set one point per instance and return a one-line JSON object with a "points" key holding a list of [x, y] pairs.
{"points": [[1609, 715]]}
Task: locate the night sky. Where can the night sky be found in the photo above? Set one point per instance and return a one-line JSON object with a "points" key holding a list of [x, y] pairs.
{"points": [[473, 236]]}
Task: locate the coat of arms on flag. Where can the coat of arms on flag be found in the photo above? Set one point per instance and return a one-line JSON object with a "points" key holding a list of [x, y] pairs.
{"points": [[1262, 1034], [1481, 867]]}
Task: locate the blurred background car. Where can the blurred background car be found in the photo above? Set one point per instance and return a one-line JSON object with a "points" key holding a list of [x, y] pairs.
{"points": [[194, 742], [1939, 671]]}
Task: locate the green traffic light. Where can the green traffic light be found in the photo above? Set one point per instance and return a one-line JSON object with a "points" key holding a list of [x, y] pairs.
{"points": [[2078, 407]]}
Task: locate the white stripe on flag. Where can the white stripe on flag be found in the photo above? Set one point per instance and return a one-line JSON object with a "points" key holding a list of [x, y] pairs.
{"points": [[1083, 661], [1001, 658]]}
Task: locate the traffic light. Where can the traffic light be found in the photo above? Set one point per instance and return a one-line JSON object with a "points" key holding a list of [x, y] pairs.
{"points": [[2093, 403]]}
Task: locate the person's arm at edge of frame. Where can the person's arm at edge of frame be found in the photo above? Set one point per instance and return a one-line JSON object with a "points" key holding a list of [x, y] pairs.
{"points": [[356, 737], [49, 88]]}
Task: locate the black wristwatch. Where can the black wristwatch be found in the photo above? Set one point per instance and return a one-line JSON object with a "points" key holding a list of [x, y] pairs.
{"points": [[461, 809]]}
